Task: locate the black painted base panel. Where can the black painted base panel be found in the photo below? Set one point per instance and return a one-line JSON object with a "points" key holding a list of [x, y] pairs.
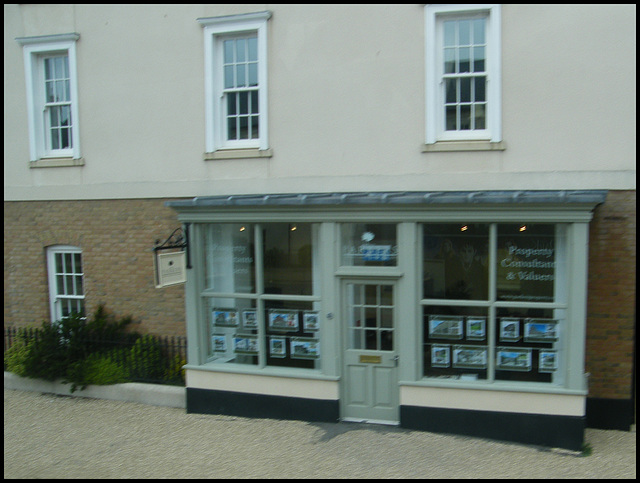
{"points": [[610, 413], [537, 429], [206, 401]]}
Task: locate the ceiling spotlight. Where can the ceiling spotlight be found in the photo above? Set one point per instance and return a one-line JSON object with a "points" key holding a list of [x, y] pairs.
{"points": [[522, 228], [464, 227]]}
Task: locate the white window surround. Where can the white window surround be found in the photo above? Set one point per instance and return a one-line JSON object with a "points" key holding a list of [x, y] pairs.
{"points": [[437, 139], [214, 29], [66, 280], [35, 49]]}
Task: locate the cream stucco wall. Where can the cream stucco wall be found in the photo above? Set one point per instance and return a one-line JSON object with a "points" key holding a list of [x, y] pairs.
{"points": [[346, 102]]}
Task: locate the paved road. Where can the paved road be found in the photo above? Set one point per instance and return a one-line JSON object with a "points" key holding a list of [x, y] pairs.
{"points": [[48, 436]]}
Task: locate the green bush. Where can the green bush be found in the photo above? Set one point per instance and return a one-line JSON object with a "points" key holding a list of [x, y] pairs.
{"points": [[16, 355], [95, 350]]}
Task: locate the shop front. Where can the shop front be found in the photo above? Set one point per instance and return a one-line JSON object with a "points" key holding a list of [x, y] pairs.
{"points": [[450, 312]]}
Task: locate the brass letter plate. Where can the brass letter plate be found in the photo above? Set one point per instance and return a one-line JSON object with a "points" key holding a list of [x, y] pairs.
{"points": [[370, 359]]}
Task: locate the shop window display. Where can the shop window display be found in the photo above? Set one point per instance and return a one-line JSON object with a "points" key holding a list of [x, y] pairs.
{"points": [[512, 331], [247, 323]]}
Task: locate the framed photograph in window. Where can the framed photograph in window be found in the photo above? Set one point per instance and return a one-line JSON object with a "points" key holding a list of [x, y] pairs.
{"points": [[245, 345], [445, 327], [310, 321], [219, 343], [224, 317], [440, 355], [540, 330], [512, 359], [547, 361], [305, 348], [286, 320], [476, 328], [277, 347], [250, 319], [510, 329], [470, 357]]}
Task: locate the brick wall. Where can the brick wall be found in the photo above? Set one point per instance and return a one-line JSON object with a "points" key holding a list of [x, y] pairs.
{"points": [[116, 238], [612, 297]]}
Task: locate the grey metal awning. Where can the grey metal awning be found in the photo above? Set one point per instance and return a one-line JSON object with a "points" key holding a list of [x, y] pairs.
{"points": [[414, 198]]}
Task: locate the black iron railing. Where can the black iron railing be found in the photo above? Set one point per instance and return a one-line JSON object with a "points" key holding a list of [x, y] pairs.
{"points": [[140, 358]]}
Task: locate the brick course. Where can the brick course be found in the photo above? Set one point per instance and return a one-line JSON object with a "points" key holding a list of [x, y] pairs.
{"points": [[116, 238], [612, 297]]}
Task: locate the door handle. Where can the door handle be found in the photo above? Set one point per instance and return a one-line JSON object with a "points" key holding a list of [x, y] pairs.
{"points": [[395, 360]]}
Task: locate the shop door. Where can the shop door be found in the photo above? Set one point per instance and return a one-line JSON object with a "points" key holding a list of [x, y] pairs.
{"points": [[370, 383]]}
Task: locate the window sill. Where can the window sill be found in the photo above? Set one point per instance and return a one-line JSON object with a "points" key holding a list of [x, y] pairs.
{"points": [[250, 153], [452, 146], [56, 163], [295, 373]]}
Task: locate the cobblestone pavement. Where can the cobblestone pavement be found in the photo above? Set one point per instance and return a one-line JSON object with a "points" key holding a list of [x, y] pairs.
{"points": [[48, 436]]}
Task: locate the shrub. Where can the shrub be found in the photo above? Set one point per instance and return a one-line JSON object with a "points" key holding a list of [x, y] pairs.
{"points": [[98, 350]]}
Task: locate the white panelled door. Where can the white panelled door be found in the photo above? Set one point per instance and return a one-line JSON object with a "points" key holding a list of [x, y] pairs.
{"points": [[370, 381]]}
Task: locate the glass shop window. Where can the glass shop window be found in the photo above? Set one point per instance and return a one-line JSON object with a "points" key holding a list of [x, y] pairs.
{"points": [[369, 244], [233, 331], [229, 258], [288, 258], [246, 319], [514, 331], [455, 342], [529, 260], [292, 334], [455, 261]]}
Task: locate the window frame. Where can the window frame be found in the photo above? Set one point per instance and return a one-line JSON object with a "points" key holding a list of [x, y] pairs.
{"points": [[217, 29], [435, 102], [35, 51], [54, 296]]}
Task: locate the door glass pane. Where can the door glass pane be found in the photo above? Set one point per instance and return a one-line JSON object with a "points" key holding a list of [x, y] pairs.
{"points": [[370, 323]]}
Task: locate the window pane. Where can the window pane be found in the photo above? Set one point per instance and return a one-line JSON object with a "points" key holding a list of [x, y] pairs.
{"points": [[243, 102], [78, 262], [455, 342], [451, 120], [233, 331], [479, 89], [478, 59], [253, 49], [254, 102], [65, 138], [478, 31], [449, 33], [232, 130], [255, 127], [228, 77], [241, 80], [527, 262], [465, 117], [229, 58], [241, 55], [243, 126], [464, 54], [480, 116], [449, 61], [451, 91], [369, 244], [464, 32], [287, 258], [465, 89], [293, 338], [48, 68], [229, 259], [253, 74], [455, 261], [527, 344]]}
